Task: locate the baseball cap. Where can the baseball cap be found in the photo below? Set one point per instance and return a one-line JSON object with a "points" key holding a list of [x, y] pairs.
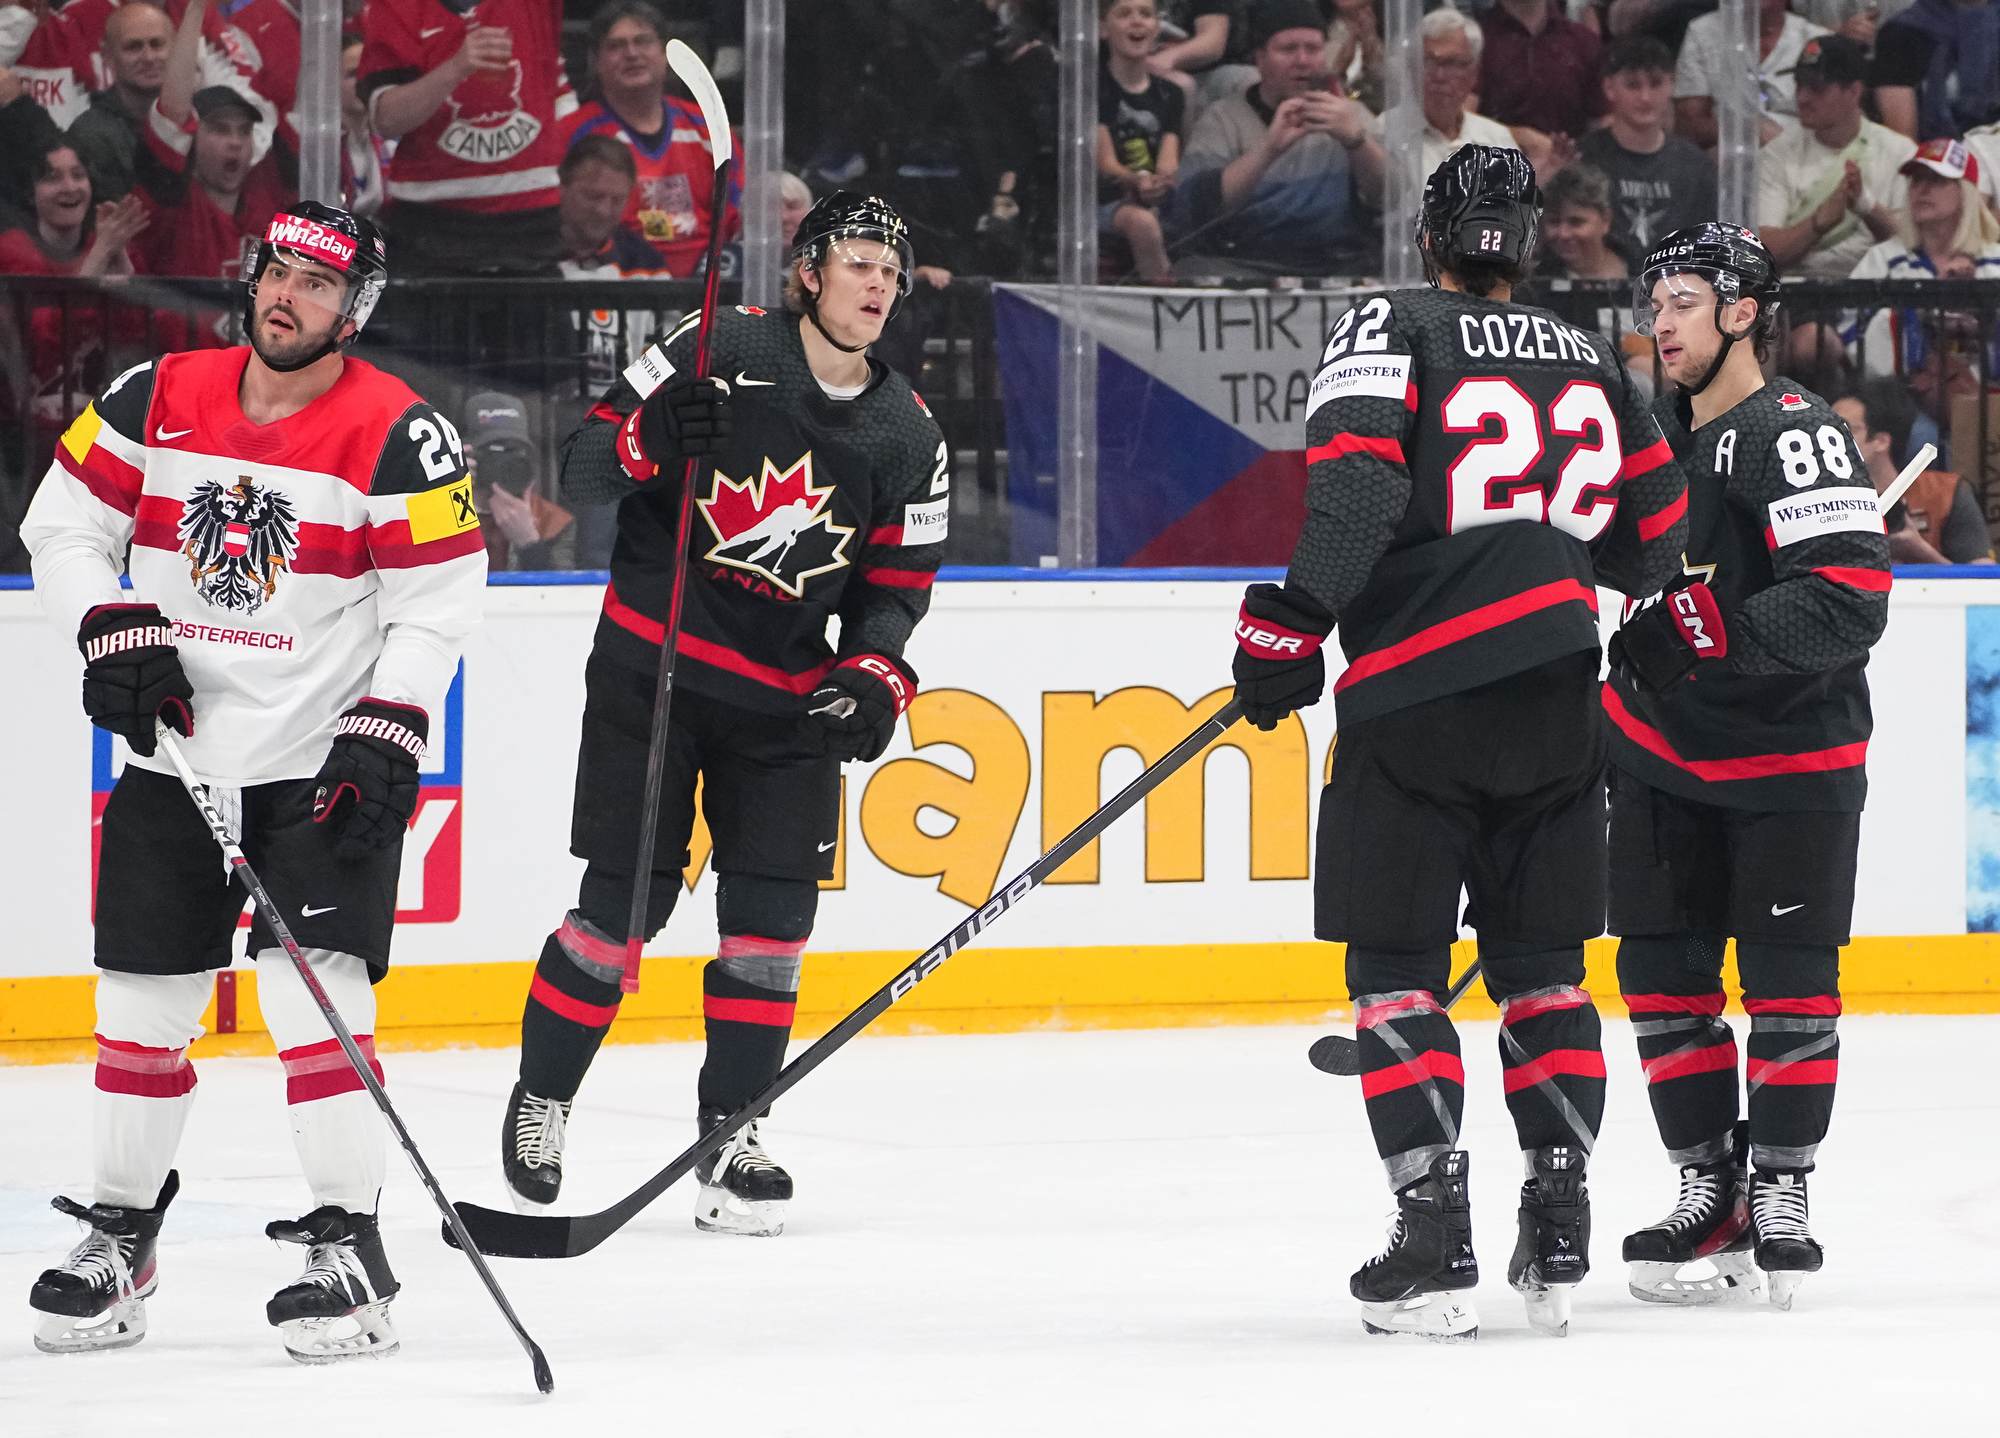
{"points": [[1831, 60], [1949, 158], [213, 100], [494, 418], [1270, 17]]}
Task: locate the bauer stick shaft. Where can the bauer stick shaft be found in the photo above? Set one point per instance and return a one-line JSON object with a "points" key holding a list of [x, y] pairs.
{"points": [[513, 1235], [1919, 462], [687, 65], [1339, 1054], [240, 866]]}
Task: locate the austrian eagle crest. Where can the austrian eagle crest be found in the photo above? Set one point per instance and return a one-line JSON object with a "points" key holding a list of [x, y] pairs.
{"points": [[236, 540]]}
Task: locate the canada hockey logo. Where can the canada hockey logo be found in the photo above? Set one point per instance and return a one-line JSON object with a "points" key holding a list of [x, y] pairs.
{"points": [[237, 541], [488, 123], [1793, 402], [777, 524]]}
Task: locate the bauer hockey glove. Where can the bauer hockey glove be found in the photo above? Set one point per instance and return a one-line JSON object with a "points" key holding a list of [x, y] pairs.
{"points": [[1279, 667], [132, 675], [856, 706], [1661, 644], [685, 420], [368, 784]]}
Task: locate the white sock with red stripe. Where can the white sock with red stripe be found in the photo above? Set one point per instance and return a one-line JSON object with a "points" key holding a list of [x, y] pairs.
{"points": [[145, 1084], [335, 1125]]}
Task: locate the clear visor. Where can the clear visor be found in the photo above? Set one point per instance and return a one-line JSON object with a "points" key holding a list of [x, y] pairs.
{"points": [[871, 254], [1680, 289], [308, 279]]}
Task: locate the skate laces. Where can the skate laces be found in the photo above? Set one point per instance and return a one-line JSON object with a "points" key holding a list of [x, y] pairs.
{"points": [[100, 1260], [1397, 1234], [1779, 1210], [539, 1130], [746, 1152], [1699, 1196]]}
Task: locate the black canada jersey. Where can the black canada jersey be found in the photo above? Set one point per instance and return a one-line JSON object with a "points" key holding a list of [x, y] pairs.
{"points": [[1784, 528], [816, 508], [1474, 470]]}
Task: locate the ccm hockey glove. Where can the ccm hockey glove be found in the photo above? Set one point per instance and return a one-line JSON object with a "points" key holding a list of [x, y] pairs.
{"points": [[132, 675], [858, 703], [1279, 667], [368, 784], [1661, 644], [688, 419]]}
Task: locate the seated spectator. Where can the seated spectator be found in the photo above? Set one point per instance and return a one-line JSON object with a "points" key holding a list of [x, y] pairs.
{"points": [[107, 135], [1212, 59], [477, 111], [1452, 44], [1938, 521], [1354, 45], [795, 198], [1858, 20], [1275, 179], [598, 175], [1576, 228], [1830, 187], [51, 52], [1538, 69], [1709, 52], [66, 231], [1937, 68], [1138, 137], [521, 525], [363, 156], [1660, 182], [669, 205]]}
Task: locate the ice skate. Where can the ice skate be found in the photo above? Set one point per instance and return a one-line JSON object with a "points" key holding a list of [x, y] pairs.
{"points": [[339, 1308], [1552, 1253], [1414, 1286], [96, 1298], [742, 1190], [1700, 1252], [1786, 1251], [531, 1149]]}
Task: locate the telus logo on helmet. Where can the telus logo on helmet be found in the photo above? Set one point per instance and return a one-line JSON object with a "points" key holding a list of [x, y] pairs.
{"points": [[311, 239]]}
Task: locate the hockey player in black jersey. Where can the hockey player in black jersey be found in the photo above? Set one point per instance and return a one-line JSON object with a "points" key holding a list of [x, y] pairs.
{"points": [[1476, 468], [823, 495], [1739, 724]]}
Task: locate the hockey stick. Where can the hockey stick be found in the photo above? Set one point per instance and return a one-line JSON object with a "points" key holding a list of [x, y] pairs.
{"points": [[1919, 462], [512, 1235], [1339, 1054], [693, 74], [240, 866]]}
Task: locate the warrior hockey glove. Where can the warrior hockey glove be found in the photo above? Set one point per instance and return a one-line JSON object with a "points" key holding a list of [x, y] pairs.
{"points": [[1661, 644], [368, 784], [1279, 667], [858, 703], [132, 675], [677, 422]]}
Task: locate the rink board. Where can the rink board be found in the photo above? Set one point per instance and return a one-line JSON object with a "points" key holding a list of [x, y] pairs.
{"points": [[1039, 699]]}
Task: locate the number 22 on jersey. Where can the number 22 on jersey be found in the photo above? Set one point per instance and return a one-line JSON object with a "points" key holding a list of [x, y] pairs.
{"points": [[1503, 474]]}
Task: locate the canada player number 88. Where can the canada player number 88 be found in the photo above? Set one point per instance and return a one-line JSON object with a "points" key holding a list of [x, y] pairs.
{"points": [[1494, 479]]}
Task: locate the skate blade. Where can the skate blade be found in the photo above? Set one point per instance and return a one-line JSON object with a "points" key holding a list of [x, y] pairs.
{"points": [[119, 1326], [1436, 1317], [717, 1210], [1784, 1284], [365, 1332], [1720, 1278], [1548, 1307]]}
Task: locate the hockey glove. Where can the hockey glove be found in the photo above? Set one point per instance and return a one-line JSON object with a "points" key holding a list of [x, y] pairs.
{"points": [[1661, 644], [685, 420], [132, 675], [368, 784], [856, 706], [1279, 667]]}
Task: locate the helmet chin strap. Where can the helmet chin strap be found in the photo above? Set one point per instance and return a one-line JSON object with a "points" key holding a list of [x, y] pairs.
{"points": [[1715, 365], [812, 313]]}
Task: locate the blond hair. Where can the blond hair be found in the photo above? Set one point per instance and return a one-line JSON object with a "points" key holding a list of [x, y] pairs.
{"points": [[1977, 229]]}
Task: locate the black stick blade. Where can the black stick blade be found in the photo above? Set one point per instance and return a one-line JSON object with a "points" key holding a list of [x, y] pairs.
{"points": [[544, 1380], [1334, 1054], [512, 1235]]}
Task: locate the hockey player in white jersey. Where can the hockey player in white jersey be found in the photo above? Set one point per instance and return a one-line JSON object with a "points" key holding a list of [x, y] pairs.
{"points": [[305, 563]]}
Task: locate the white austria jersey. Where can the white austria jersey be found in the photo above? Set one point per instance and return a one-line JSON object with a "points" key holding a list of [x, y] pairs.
{"points": [[303, 564]]}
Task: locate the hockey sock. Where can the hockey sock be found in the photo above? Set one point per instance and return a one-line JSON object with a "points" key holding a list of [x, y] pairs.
{"points": [[1551, 1048], [1412, 1078], [751, 988], [1792, 994], [571, 1003], [1672, 984], [335, 1126], [145, 1084]]}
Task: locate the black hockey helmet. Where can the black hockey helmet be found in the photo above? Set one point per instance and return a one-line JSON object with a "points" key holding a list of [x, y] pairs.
{"points": [[1731, 260], [847, 215], [1481, 204], [329, 236]]}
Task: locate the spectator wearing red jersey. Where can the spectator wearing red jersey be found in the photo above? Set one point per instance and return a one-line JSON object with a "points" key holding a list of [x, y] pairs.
{"points": [[669, 141], [66, 231], [475, 94], [51, 51]]}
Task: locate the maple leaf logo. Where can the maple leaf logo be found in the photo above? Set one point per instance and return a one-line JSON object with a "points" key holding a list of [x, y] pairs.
{"points": [[776, 523]]}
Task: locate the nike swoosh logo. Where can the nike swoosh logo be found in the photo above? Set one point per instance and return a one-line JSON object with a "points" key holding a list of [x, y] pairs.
{"points": [[309, 912], [824, 847], [434, 30], [1778, 913], [744, 379], [163, 434]]}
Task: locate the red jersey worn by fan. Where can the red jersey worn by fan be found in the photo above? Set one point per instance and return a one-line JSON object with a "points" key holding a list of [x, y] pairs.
{"points": [[302, 563], [57, 64], [670, 203], [190, 234]]}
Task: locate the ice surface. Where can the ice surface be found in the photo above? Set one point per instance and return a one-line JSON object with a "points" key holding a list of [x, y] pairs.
{"points": [[1119, 1233]]}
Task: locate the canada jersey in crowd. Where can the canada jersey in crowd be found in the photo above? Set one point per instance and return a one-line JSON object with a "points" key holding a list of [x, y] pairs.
{"points": [[299, 562], [817, 507], [1469, 463], [1784, 529]]}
